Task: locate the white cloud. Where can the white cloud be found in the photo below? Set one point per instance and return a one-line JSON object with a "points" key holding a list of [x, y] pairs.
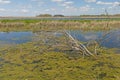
{"points": [[2, 10], [90, 1], [86, 8], [58, 0], [34, 0], [116, 4], [53, 9], [67, 3], [108, 3], [5, 1], [104, 3], [39, 2], [71, 8], [64, 3], [24, 11], [47, 10]]}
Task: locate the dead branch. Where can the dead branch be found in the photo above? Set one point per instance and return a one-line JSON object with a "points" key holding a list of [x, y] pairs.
{"points": [[78, 45]]}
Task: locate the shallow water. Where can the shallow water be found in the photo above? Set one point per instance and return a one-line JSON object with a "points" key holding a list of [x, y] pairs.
{"points": [[15, 37], [109, 39]]}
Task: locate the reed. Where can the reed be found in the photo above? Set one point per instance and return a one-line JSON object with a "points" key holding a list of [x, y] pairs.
{"points": [[58, 25]]}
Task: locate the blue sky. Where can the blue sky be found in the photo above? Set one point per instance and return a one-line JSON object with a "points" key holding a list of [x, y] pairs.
{"points": [[65, 7]]}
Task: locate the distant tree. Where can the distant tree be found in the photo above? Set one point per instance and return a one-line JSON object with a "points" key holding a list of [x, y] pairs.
{"points": [[102, 15], [58, 15], [86, 15], [44, 15]]}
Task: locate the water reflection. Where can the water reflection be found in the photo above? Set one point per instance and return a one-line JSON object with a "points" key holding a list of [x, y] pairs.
{"points": [[15, 37], [110, 39]]}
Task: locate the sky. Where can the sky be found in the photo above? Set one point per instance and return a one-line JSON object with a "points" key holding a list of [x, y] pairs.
{"points": [[64, 7]]}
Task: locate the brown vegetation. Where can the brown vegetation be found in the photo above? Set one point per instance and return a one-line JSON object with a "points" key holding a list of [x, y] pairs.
{"points": [[57, 25]]}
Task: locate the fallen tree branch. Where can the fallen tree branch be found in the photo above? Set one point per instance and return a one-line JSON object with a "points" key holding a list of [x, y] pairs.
{"points": [[78, 45]]}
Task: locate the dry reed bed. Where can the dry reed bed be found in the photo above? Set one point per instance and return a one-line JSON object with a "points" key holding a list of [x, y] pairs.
{"points": [[53, 25], [12, 24], [92, 25]]}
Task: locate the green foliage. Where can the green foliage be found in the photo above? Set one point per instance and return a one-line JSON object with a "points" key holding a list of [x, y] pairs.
{"points": [[44, 15], [20, 20]]}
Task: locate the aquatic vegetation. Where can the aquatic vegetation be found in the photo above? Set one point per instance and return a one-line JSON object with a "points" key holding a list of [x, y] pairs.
{"points": [[30, 61], [52, 58]]}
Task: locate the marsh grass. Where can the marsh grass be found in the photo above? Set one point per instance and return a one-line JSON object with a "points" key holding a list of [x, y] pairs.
{"points": [[37, 25], [30, 61], [39, 61]]}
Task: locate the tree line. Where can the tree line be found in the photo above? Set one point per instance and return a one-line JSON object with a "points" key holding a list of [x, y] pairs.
{"points": [[49, 15], [60, 15]]}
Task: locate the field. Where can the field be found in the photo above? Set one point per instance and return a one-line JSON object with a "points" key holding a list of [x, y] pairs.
{"points": [[48, 57]]}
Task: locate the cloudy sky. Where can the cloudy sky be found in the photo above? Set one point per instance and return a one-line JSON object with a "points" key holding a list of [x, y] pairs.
{"points": [[65, 7]]}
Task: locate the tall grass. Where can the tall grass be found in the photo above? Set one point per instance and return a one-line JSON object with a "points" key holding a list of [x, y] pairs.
{"points": [[57, 25]]}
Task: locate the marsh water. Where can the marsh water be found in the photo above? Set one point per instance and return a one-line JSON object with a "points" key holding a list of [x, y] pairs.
{"points": [[10, 38], [109, 39]]}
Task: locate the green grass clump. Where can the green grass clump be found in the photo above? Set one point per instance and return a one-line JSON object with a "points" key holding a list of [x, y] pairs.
{"points": [[32, 62]]}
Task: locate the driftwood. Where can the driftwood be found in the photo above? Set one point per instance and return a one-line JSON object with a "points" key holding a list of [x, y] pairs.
{"points": [[77, 45]]}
